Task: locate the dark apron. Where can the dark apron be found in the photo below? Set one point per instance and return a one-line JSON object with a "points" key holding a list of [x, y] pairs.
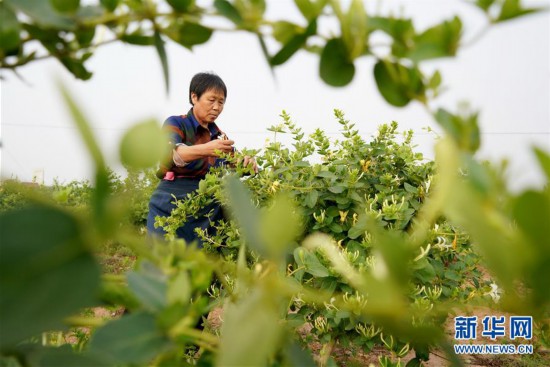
{"points": [[162, 203]]}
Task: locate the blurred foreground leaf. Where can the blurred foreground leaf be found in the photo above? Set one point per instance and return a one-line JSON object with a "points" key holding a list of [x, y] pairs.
{"points": [[149, 289], [245, 214], [64, 356], [101, 191], [131, 339], [9, 29], [143, 146], [512, 9], [336, 68], [46, 271], [269, 232], [462, 127], [159, 45], [399, 84], [251, 330], [65, 6], [43, 13], [536, 234]]}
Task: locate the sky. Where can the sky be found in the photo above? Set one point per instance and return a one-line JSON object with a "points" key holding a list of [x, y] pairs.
{"points": [[505, 74]]}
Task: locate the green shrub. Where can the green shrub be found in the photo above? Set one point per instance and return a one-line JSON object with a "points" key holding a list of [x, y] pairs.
{"points": [[353, 185]]}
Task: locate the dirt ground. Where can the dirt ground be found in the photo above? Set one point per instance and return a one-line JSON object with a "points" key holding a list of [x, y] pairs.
{"points": [[344, 356]]}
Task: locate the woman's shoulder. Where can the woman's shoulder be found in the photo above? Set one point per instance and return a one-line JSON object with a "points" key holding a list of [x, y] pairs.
{"points": [[178, 120]]}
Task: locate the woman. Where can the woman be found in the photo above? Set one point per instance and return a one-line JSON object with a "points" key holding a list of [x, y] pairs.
{"points": [[195, 140]]}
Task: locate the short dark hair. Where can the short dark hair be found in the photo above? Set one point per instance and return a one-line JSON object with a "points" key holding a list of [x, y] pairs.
{"points": [[203, 82]]}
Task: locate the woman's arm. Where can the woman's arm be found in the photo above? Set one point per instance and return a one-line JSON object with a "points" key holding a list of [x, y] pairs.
{"points": [[190, 153]]}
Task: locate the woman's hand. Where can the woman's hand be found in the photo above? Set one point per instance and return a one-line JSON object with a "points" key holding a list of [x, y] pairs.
{"points": [[250, 161], [224, 146], [190, 153]]}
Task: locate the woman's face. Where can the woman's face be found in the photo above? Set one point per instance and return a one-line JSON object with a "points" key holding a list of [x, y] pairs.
{"points": [[209, 106]]}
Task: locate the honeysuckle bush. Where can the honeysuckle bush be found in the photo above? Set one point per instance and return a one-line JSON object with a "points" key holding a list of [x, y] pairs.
{"points": [[338, 189]]}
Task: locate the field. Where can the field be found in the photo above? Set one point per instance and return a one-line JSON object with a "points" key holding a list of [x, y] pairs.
{"points": [[347, 251], [358, 249]]}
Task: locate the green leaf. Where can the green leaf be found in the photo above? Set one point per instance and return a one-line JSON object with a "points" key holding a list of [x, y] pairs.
{"points": [[410, 188], [245, 214], [89, 13], [462, 128], [284, 31], [441, 40], [335, 68], [227, 9], [179, 288], [293, 45], [358, 229], [298, 357], [64, 356], [181, 5], [512, 9], [117, 293], [398, 84], [41, 12], [251, 330], [544, 161], [138, 38], [65, 6], [9, 29], [435, 80], [101, 191], [159, 45], [478, 175], [452, 275], [310, 9], [265, 51], [43, 256], [311, 198], [311, 263], [150, 289], [485, 4], [395, 252], [327, 174], [143, 145], [252, 12], [401, 30], [269, 233], [333, 212], [336, 189], [336, 228], [355, 196], [280, 226], [85, 36], [354, 29], [450, 123], [110, 5], [532, 213], [189, 34], [130, 339], [76, 67], [467, 207], [301, 164], [424, 271], [84, 129]]}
